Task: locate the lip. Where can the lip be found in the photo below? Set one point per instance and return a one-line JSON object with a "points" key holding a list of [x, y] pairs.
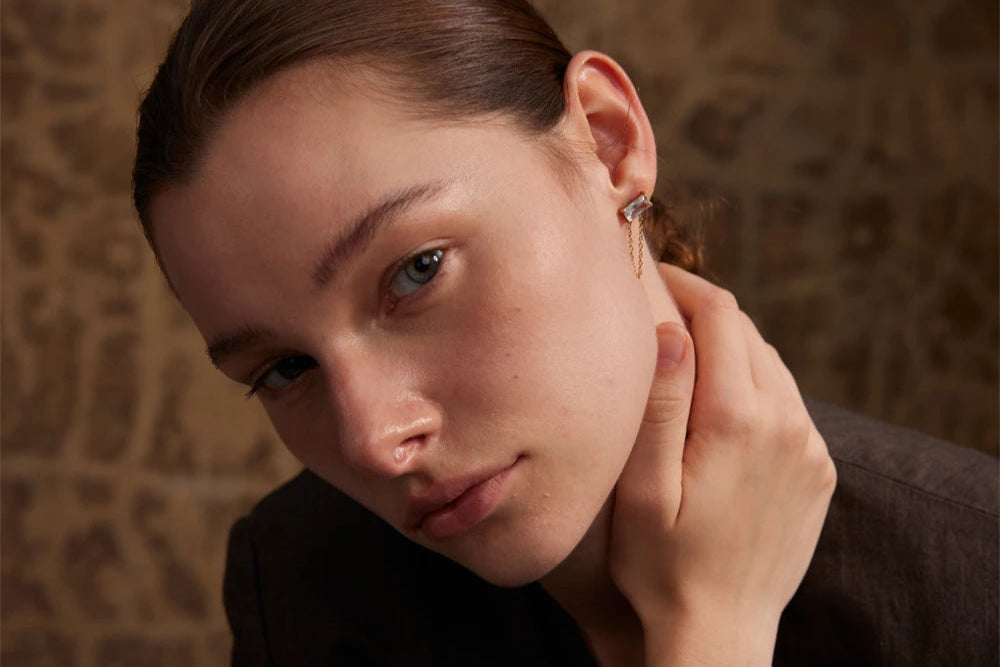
{"points": [[454, 507]]}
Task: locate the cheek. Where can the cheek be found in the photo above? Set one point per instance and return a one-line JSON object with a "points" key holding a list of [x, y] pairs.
{"points": [[554, 336], [309, 432], [312, 441], [563, 380], [308, 428]]}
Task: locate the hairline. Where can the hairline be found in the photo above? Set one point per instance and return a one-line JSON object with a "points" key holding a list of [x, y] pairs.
{"points": [[564, 159]]}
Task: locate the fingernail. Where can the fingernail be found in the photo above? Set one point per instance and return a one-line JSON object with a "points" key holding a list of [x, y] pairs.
{"points": [[672, 340]]}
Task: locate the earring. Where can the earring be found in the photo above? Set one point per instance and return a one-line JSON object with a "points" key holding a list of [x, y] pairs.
{"points": [[633, 212]]}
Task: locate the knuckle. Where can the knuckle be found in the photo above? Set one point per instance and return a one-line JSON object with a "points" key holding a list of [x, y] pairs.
{"points": [[822, 465], [740, 421], [665, 408], [828, 474], [823, 481], [830, 477], [798, 426], [723, 299]]}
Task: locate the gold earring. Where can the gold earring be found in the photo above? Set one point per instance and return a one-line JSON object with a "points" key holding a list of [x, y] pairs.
{"points": [[633, 213]]}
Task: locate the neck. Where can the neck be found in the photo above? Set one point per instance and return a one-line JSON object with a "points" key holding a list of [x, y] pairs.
{"points": [[582, 585]]}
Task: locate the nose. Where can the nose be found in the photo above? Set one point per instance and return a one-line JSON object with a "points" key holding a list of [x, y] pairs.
{"points": [[384, 423]]}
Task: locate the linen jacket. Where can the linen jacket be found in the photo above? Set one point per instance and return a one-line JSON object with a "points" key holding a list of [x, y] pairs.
{"points": [[905, 573]]}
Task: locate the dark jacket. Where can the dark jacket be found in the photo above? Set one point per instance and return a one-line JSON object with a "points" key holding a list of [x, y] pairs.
{"points": [[905, 573]]}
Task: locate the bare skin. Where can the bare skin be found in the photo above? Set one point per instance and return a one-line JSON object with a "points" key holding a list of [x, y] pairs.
{"points": [[631, 487], [718, 511]]}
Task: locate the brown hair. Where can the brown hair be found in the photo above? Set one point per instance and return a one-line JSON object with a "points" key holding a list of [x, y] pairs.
{"points": [[452, 58]]}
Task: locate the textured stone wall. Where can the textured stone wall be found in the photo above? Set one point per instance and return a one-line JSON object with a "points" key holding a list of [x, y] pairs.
{"points": [[844, 153]]}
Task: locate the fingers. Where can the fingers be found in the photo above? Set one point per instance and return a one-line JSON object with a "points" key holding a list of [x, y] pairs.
{"points": [[766, 367], [741, 380], [725, 379], [770, 374], [652, 475]]}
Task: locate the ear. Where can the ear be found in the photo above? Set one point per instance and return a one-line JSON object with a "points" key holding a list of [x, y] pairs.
{"points": [[604, 112]]}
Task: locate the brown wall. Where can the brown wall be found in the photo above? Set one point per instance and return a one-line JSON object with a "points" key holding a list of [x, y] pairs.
{"points": [[849, 152]]}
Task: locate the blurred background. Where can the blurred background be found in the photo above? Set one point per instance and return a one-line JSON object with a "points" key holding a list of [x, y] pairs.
{"points": [[844, 154]]}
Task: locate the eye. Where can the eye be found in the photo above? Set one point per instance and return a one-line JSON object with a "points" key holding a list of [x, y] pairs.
{"points": [[282, 373], [416, 272]]}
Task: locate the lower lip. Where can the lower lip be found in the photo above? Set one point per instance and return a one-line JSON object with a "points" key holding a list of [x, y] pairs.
{"points": [[468, 510]]}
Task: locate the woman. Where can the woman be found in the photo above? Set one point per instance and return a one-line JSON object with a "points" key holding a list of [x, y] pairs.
{"points": [[413, 229]]}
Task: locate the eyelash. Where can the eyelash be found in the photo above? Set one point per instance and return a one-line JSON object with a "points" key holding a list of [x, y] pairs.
{"points": [[400, 268], [438, 254]]}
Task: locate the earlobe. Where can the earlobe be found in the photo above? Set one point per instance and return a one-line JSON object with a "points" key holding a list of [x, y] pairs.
{"points": [[603, 109]]}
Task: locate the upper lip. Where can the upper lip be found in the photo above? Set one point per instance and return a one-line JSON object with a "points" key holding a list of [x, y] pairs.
{"points": [[440, 494]]}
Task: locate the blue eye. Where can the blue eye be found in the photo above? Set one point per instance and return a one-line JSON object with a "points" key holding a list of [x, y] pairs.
{"points": [[283, 373], [416, 272]]}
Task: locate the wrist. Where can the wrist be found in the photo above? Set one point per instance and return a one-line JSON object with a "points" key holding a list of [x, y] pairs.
{"points": [[710, 638]]}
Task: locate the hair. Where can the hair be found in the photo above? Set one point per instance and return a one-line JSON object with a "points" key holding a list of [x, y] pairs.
{"points": [[450, 58]]}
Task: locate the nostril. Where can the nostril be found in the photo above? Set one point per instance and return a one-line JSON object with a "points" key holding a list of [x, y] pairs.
{"points": [[387, 446], [402, 452]]}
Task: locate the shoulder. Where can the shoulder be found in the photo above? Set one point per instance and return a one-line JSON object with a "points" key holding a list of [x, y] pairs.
{"points": [[905, 569], [907, 461]]}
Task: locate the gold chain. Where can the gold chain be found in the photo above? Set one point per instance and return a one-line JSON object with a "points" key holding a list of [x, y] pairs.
{"points": [[636, 265], [633, 212], [631, 250], [638, 273]]}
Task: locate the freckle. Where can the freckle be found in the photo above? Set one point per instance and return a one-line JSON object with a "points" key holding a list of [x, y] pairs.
{"points": [[515, 376], [506, 354]]}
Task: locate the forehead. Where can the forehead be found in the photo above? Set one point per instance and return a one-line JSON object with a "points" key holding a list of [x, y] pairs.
{"points": [[319, 125], [325, 115], [302, 154], [304, 125]]}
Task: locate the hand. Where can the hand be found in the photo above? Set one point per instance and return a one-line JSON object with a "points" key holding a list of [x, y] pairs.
{"points": [[721, 502]]}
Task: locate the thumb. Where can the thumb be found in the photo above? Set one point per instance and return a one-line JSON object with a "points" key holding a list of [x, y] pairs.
{"points": [[652, 475]]}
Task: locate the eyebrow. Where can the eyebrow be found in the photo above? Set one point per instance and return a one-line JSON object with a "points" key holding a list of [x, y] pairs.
{"points": [[361, 231], [229, 345], [356, 237]]}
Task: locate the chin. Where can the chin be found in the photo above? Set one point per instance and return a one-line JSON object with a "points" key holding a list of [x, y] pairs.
{"points": [[511, 560], [513, 573]]}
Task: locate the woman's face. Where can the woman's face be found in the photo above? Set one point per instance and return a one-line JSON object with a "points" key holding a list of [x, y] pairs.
{"points": [[427, 311]]}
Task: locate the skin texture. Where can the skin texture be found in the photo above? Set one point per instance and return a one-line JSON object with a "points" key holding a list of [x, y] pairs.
{"points": [[533, 343], [666, 485], [721, 503]]}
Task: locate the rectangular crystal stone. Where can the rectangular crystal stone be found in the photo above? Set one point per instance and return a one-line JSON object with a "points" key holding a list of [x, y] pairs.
{"points": [[636, 207]]}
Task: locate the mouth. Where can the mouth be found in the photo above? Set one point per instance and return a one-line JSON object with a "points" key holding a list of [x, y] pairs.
{"points": [[452, 508]]}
